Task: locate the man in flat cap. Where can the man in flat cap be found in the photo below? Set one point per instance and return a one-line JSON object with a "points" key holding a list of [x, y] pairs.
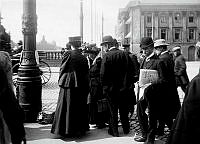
{"points": [[116, 75], [181, 76], [168, 91]]}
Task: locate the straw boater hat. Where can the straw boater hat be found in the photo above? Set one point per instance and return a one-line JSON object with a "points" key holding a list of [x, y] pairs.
{"points": [[176, 48], [160, 42]]}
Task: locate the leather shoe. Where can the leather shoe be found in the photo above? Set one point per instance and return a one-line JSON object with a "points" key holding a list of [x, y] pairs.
{"points": [[140, 139]]}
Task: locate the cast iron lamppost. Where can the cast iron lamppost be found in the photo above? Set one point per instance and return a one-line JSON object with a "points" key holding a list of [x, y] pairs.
{"points": [[29, 80]]}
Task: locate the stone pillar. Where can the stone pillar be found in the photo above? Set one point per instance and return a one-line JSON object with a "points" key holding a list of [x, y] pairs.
{"points": [[81, 20], [184, 37], [142, 25], [170, 35], [198, 25], [29, 80], [156, 36]]}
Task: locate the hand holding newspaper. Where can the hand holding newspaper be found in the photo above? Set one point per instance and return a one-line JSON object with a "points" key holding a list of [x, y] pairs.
{"points": [[146, 78]]}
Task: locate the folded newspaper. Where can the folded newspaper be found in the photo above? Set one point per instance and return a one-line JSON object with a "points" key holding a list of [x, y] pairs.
{"points": [[146, 77]]}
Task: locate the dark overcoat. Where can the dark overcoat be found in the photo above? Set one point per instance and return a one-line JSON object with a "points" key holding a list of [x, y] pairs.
{"points": [[162, 92], [12, 112], [180, 71], [168, 92], [117, 76], [186, 127], [71, 111]]}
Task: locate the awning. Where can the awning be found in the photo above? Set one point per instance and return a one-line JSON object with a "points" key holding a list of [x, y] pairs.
{"points": [[128, 35], [129, 20]]}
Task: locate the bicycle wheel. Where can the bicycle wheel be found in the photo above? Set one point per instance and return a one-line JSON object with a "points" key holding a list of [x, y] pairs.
{"points": [[15, 73], [45, 72]]}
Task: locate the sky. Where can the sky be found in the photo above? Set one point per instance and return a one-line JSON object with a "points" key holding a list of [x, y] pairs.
{"points": [[60, 19]]}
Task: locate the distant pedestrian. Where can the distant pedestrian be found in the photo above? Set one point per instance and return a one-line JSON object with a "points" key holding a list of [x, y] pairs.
{"points": [[117, 74], [71, 116], [186, 127], [181, 76]]}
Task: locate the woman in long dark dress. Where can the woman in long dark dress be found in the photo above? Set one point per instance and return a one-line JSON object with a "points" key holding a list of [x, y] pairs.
{"points": [[186, 127], [71, 116]]}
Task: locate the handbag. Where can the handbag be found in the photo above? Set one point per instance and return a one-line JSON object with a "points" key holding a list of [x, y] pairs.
{"points": [[102, 105]]}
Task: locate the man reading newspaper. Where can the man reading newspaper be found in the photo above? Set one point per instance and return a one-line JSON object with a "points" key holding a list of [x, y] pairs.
{"points": [[151, 76]]}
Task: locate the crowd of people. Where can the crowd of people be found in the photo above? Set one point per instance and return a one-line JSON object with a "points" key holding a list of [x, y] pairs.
{"points": [[97, 87], [100, 83]]}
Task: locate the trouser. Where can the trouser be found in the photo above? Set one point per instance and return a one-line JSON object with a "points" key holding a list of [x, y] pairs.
{"points": [[142, 116], [114, 106]]}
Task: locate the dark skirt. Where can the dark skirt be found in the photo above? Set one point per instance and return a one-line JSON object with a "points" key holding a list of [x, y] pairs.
{"points": [[71, 116]]}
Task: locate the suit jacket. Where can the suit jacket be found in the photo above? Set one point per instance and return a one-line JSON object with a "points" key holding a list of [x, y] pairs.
{"points": [[117, 75], [180, 71]]}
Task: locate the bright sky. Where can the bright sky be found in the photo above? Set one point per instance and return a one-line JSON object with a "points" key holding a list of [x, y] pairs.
{"points": [[60, 19]]}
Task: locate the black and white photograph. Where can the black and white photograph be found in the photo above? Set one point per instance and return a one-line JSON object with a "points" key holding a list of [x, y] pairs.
{"points": [[99, 71]]}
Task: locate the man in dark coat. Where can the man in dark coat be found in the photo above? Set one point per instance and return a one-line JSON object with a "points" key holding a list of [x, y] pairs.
{"points": [[148, 123], [117, 77], [71, 116], [186, 127], [181, 76], [168, 92]]}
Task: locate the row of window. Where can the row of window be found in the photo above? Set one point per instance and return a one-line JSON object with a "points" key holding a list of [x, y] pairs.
{"points": [[177, 34], [176, 18]]}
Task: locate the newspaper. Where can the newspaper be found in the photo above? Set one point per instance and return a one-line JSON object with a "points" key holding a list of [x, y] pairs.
{"points": [[146, 77]]}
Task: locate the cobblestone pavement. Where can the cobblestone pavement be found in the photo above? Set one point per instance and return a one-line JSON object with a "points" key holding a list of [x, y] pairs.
{"points": [[50, 93]]}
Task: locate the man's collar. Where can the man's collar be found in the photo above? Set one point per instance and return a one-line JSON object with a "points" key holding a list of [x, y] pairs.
{"points": [[163, 52], [112, 48], [152, 54]]}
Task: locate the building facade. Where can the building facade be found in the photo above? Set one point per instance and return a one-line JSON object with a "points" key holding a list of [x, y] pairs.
{"points": [[178, 24]]}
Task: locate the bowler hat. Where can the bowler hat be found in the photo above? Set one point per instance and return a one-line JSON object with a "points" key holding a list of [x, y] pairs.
{"points": [[107, 39], [146, 42], [160, 42]]}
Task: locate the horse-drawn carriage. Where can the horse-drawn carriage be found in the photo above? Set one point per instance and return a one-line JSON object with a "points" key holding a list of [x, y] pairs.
{"points": [[45, 70]]}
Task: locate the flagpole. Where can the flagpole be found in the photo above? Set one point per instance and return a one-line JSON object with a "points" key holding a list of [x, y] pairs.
{"points": [[152, 34], [81, 20]]}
